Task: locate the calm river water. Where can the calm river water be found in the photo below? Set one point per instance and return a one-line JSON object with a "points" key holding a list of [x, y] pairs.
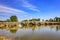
{"points": [[34, 33]]}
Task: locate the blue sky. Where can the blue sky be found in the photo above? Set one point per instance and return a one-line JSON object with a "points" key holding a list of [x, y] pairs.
{"points": [[27, 9]]}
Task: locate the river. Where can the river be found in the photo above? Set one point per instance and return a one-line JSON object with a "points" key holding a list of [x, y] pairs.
{"points": [[33, 33]]}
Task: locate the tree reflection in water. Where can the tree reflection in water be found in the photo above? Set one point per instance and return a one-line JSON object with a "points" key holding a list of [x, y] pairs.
{"points": [[57, 28], [13, 30]]}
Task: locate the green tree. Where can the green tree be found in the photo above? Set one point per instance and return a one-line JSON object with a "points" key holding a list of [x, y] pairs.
{"points": [[8, 20], [25, 20], [35, 19], [13, 19], [38, 19], [46, 20], [50, 20], [57, 19], [1, 21]]}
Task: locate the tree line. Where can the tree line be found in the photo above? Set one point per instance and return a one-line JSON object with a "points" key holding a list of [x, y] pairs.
{"points": [[56, 19], [11, 19], [15, 19]]}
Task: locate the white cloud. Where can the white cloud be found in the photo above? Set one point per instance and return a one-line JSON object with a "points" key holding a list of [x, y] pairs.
{"points": [[5, 9], [29, 6], [6, 12]]}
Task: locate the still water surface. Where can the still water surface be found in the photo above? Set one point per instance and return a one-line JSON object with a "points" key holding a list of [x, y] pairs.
{"points": [[34, 33]]}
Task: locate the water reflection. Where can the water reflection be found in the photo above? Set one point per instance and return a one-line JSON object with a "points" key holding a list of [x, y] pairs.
{"points": [[33, 31], [13, 31], [58, 27], [33, 27]]}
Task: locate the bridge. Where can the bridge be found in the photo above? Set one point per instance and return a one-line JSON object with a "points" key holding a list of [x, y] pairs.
{"points": [[40, 22], [9, 24]]}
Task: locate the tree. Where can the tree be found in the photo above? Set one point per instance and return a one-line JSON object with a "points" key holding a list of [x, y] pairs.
{"points": [[25, 20], [50, 20], [57, 19], [46, 20], [8, 20], [35, 19], [38, 19], [13, 19]]}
